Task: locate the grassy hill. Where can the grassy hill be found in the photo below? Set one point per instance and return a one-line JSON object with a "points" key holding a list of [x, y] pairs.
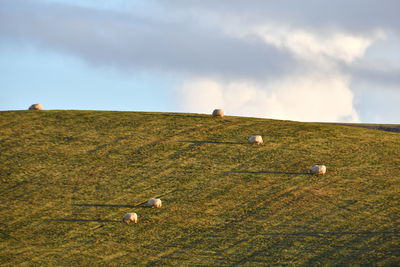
{"points": [[68, 177]]}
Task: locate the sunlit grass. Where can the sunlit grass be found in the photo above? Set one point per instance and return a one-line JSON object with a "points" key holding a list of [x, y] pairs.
{"points": [[68, 177]]}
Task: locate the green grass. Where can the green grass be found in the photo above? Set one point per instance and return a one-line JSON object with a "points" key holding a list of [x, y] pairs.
{"points": [[68, 177]]}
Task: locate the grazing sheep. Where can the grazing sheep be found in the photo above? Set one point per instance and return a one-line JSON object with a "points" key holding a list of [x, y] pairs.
{"points": [[218, 113], [130, 218], [255, 139], [155, 203], [36, 107], [318, 169]]}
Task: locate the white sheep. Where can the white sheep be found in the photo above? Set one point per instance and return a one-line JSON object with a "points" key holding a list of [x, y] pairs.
{"points": [[318, 169], [36, 107], [255, 139], [218, 113], [155, 203], [130, 218]]}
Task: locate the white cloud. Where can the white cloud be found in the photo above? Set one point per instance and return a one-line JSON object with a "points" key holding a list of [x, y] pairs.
{"points": [[304, 98], [336, 45], [314, 90]]}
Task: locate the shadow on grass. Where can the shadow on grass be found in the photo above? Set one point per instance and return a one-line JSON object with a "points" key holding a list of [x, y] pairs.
{"points": [[270, 172], [213, 142], [179, 115], [82, 220], [361, 236], [113, 142], [13, 187], [367, 233], [141, 205]]}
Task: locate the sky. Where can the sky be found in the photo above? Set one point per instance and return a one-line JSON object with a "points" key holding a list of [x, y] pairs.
{"points": [[310, 60]]}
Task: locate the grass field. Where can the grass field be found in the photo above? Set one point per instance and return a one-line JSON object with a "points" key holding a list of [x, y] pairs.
{"points": [[68, 177]]}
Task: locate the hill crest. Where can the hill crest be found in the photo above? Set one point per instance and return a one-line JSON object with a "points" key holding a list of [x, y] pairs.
{"points": [[68, 177]]}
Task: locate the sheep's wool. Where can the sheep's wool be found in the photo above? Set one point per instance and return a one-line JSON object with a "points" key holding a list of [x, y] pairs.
{"points": [[130, 218], [255, 139], [218, 113], [36, 107], [318, 169], [155, 203]]}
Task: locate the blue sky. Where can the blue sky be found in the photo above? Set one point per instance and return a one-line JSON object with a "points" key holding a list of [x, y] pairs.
{"points": [[32, 75], [299, 60]]}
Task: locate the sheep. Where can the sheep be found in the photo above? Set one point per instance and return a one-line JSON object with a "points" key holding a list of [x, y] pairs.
{"points": [[130, 218], [155, 203], [218, 113], [36, 107], [318, 169], [255, 139]]}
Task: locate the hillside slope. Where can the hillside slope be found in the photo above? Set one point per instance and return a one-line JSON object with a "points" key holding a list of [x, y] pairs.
{"points": [[68, 177]]}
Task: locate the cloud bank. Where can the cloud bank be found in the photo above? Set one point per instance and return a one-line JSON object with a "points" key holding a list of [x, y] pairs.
{"points": [[298, 60], [301, 98]]}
